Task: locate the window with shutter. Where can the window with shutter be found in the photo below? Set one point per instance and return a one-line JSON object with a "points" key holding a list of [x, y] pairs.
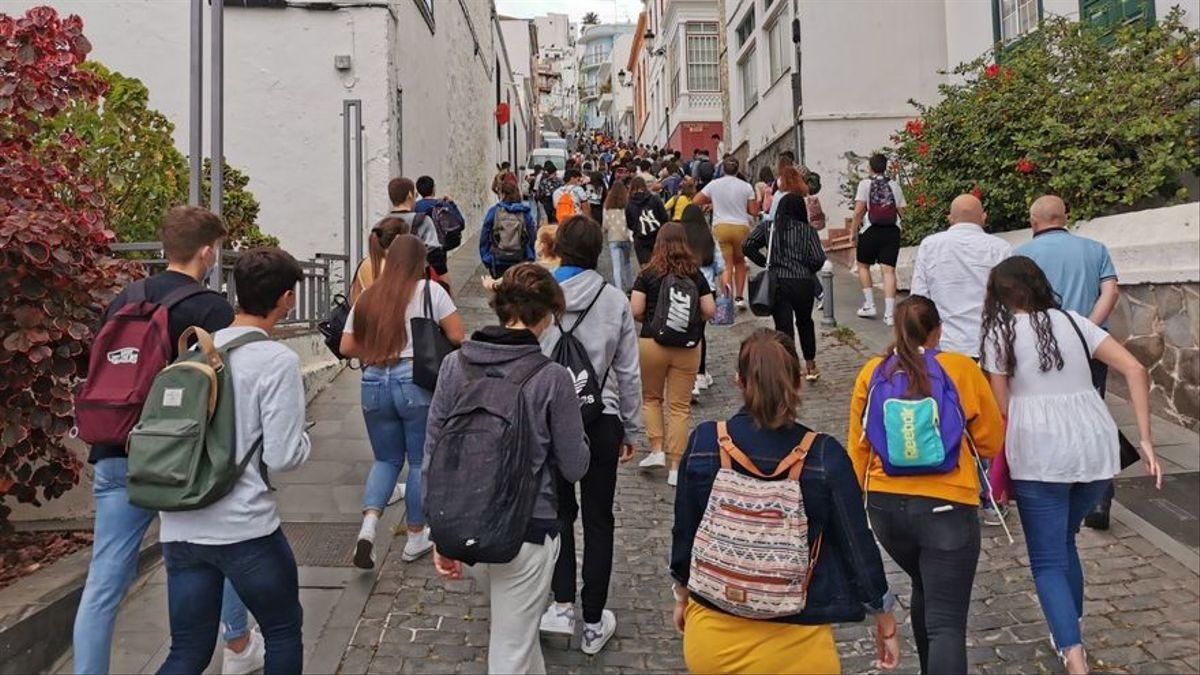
{"points": [[1111, 15]]}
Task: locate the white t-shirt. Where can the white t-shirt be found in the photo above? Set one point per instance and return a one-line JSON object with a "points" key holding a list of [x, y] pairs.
{"points": [[863, 194], [443, 307], [1059, 430], [729, 195]]}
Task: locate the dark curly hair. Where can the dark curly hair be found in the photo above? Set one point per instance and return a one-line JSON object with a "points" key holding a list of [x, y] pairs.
{"points": [[527, 293], [1019, 285]]}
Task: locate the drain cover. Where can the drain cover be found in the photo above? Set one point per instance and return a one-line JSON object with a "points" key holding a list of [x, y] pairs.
{"points": [[322, 544]]}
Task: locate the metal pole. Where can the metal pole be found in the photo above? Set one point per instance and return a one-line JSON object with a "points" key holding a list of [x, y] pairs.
{"points": [[196, 105], [346, 231], [217, 138], [359, 165], [797, 87], [826, 277]]}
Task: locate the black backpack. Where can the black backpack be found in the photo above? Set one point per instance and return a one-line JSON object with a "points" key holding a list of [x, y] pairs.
{"points": [[331, 328], [703, 172], [571, 354], [480, 489], [676, 321], [449, 225]]}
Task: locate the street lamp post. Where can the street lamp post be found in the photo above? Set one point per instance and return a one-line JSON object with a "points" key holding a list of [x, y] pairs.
{"points": [[196, 104]]}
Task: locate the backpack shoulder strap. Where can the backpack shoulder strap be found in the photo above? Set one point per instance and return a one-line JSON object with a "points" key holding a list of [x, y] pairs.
{"points": [[585, 311], [180, 294], [243, 340], [136, 292], [731, 454]]}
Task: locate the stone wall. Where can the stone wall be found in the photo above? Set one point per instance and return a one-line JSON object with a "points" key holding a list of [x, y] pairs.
{"points": [[1160, 325]]}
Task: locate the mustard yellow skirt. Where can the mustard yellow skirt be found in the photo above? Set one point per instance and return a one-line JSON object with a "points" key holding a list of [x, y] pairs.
{"points": [[716, 642]]}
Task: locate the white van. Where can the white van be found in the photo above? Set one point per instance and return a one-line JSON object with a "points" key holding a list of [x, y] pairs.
{"points": [[540, 156]]}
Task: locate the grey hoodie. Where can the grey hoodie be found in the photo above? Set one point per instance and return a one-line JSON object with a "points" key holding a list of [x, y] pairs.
{"points": [[551, 406], [610, 338]]}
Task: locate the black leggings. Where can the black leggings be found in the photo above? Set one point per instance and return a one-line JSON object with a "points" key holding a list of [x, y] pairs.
{"points": [[936, 543], [794, 303]]}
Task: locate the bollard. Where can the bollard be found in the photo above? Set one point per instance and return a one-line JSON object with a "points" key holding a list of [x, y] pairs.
{"points": [[826, 277]]}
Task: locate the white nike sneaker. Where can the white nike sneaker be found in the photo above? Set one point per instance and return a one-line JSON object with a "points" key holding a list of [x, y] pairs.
{"points": [[418, 544], [866, 311], [248, 660], [558, 620], [596, 635], [653, 460]]}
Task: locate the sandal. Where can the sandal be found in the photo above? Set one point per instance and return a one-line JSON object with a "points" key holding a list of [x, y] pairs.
{"points": [[812, 376]]}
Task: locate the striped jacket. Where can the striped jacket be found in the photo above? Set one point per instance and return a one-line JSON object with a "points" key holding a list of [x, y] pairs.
{"points": [[796, 250]]}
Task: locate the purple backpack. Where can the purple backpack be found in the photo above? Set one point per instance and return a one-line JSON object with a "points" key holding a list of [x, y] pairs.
{"points": [[913, 436]]}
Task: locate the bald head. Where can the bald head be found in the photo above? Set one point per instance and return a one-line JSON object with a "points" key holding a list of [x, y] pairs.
{"points": [[967, 209], [1047, 212]]}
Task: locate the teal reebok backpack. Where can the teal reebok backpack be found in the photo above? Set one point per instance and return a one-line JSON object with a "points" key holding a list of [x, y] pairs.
{"points": [[183, 450]]}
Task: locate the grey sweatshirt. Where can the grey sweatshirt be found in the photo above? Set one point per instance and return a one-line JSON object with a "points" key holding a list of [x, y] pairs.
{"points": [[551, 406], [610, 338]]}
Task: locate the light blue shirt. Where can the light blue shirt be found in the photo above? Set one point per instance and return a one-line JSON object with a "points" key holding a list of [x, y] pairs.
{"points": [[1074, 265]]}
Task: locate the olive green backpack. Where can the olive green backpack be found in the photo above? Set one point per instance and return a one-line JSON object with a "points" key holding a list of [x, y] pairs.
{"points": [[183, 451]]}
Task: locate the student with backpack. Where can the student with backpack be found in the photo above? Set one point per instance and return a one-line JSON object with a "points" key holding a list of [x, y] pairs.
{"points": [[238, 536], [594, 189], [596, 341], [1061, 443], [681, 200], [508, 233], [620, 239], [878, 207], [673, 301], [764, 494], [644, 215], [549, 185], [403, 194], [379, 333], [447, 219], [919, 421], [506, 420], [569, 200], [146, 319]]}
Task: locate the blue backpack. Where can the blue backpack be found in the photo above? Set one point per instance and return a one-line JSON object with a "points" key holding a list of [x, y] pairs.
{"points": [[913, 436]]}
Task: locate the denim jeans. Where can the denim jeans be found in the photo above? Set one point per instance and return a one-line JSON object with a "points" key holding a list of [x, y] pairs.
{"points": [[263, 571], [1051, 514], [936, 543], [622, 268], [395, 411], [119, 528]]}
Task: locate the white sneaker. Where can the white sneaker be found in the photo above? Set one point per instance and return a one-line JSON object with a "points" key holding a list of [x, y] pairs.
{"points": [[596, 635], [558, 620], [418, 544], [248, 660], [696, 391], [820, 304], [398, 494], [705, 380], [673, 477], [653, 460], [889, 320], [740, 303], [866, 311]]}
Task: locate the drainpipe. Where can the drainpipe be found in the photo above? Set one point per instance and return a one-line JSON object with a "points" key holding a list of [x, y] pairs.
{"points": [[797, 89]]}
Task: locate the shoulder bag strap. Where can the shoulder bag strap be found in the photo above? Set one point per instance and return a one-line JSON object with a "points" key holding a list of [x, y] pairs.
{"points": [[1082, 340], [770, 242], [428, 294]]}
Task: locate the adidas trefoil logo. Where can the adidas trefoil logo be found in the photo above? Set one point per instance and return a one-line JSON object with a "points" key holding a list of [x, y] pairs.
{"points": [[581, 380]]}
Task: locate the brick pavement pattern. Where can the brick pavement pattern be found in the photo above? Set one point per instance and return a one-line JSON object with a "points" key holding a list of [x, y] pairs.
{"points": [[1142, 607]]}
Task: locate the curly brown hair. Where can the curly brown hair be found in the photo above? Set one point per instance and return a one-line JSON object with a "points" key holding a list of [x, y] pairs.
{"points": [[527, 293], [1017, 284]]}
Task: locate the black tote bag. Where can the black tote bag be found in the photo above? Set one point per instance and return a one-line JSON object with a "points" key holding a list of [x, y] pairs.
{"points": [[1129, 451], [763, 284], [430, 344]]}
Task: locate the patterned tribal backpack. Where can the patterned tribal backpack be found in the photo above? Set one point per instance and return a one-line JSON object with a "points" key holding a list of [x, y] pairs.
{"points": [[751, 556]]}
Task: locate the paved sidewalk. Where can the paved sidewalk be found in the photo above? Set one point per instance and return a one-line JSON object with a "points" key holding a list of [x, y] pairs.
{"points": [[1141, 603]]}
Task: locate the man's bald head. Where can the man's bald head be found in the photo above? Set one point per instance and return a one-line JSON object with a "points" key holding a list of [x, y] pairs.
{"points": [[1047, 212], [967, 209]]}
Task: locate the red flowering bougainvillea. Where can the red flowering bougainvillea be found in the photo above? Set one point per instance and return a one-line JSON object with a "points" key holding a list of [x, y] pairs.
{"points": [[56, 271]]}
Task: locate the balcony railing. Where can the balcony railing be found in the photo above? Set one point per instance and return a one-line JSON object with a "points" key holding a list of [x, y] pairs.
{"points": [[594, 59]]}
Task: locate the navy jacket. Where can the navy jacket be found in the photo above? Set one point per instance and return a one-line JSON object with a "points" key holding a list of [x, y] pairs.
{"points": [[848, 578]]}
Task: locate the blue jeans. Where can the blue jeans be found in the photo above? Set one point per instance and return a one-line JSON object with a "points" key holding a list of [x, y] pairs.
{"points": [[622, 268], [395, 411], [119, 528], [1051, 514], [263, 571]]}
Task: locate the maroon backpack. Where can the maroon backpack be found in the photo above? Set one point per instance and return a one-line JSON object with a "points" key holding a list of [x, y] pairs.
{"points": [[132, 346]]}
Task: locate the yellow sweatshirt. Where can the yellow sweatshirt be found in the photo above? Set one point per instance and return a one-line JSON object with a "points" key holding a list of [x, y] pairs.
{"points": [[984, 422]]}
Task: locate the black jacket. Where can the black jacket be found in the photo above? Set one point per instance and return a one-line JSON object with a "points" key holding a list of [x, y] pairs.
{"points": [[644, 215]]}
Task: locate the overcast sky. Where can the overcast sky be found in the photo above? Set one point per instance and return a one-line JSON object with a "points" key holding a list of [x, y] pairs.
{"points": [[607, 10]]}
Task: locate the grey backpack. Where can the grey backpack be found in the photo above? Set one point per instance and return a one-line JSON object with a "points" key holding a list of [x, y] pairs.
{"points": [[509, 237]]}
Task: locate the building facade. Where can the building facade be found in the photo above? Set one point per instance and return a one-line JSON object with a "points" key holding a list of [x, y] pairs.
{"points": [[427, 84], [521, 46], [557, 74], [595, 49]]}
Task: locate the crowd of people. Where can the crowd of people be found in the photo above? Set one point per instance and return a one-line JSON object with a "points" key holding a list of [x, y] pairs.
{"points": [[514, 430]]}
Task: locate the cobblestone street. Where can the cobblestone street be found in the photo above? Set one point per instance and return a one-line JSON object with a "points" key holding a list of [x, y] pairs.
{"points": [[1141, 603]]}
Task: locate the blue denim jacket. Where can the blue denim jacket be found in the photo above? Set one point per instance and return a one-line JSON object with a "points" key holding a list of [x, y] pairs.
{"points": [[848, 579]]}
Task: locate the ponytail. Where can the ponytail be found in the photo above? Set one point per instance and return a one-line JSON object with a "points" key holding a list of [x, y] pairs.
{"points": [[916, 319], [382, 235], [769, 371]]}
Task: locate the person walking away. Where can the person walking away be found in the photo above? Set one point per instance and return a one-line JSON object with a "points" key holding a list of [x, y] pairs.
{"points": [[508, 233], [645, 214], [733, 205], [878, 207], [681, 200], [552, 447], [703, 171], [712, 264], [672, 300], [620, 239], [238, 539], [447, 218], [830, 567], [1081, 272], [504, 175], [796, 255], [569, 200], [1061, 442], [763, 190], [549, 185], [533, 181], [394, 407], [190, 237], [378, 241], [403, 194], [925, 513], [594, 189], [598, 319], [952, 269]]}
